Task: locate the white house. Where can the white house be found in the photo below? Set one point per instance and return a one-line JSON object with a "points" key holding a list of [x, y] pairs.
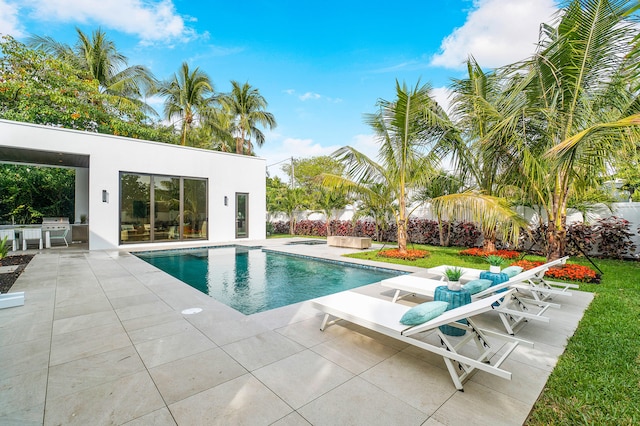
{"points": [[135, 192]]}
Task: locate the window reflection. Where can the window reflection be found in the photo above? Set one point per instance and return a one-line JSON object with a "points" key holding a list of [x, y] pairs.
{"points": [[178, 211]]}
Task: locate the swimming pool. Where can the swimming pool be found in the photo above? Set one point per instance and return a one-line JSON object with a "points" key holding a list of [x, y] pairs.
{"points": [[253, 280]]}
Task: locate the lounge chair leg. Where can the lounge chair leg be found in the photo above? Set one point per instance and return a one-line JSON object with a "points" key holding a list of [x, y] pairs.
{"points": [[324, 322]]}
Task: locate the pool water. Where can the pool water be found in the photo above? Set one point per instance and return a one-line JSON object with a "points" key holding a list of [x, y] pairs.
{"points": [[251, 280]]}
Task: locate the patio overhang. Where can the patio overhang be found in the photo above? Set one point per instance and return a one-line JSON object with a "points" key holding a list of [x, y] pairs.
{"points": [[46, 158]]}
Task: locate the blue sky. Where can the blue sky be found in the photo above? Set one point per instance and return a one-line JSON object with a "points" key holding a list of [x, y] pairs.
{"points": [[320, 65]]}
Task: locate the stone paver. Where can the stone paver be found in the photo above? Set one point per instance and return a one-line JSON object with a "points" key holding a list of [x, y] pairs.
{"points": [[102, 339]]}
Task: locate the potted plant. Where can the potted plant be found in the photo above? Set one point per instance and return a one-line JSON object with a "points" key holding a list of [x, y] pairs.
{"points": [[453, 275], [494, 263]]}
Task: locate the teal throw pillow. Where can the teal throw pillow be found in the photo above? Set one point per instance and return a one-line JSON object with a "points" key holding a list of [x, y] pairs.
{"points": [[476, 286], [512, 271], [423, 312]]}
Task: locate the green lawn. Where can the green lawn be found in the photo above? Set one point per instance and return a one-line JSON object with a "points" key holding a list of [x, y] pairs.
{"points": [[597, 379]]}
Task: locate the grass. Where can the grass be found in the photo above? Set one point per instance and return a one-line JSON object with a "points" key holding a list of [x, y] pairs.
{"points": [[597, 379]]}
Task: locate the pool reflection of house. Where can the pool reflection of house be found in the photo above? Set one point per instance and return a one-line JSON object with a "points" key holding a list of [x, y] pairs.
{"points": [[135, 192]]}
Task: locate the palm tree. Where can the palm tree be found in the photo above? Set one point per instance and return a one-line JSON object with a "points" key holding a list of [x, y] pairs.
{"points": [[247, 106], [439, 184], [219, 123], [100, 59], [405, 140], [482, 156], [188, 95], [578, 106], [375, 202]]}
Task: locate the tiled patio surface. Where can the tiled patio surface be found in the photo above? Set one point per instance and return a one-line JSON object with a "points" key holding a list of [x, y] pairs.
{"points": [[101, 340]]}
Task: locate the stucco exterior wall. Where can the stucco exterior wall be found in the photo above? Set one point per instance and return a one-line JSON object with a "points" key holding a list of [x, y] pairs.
{"points": [[227, 174]]}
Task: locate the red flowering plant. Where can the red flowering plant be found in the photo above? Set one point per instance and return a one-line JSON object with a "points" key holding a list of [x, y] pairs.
{"points": [[477, 251], [411, 254], [563, 272]]}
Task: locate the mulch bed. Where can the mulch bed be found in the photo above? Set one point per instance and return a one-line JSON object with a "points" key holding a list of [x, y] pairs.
{"points": [[7, 279]]}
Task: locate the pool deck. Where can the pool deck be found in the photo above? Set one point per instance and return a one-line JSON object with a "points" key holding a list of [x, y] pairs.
{"points": [[102, 339]]}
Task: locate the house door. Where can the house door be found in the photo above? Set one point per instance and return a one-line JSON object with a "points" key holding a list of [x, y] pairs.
{"points": [[242, 218]]}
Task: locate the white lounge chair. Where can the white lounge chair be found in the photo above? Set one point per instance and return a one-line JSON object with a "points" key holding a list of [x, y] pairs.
{"points": [[514, 310], [10, 234], [531, 280], [383, 317], [31, 234]]}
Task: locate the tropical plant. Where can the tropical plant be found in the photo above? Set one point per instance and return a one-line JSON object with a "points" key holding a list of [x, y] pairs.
{"points": [[100, 59], [31, 192], [475, 103], [494, 260], [38, 88], [308, 174], [247, 107], [453, 273], [493, 215], [188, 94], [439, 184], [4, 247], [376, 202], [405, 140], [287, 200], [572, 107]]}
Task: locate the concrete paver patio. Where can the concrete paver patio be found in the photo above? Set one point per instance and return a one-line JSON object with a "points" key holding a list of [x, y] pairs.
{"points": [[102, 339]]}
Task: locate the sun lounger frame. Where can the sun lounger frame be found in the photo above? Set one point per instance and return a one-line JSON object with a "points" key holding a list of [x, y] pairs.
{"points": [[383, 317]]}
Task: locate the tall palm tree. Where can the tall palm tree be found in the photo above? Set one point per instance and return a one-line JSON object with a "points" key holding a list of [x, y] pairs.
{"points": [[188, 94], [247, 106], [482, 155], [579, 105], [405, 152], [99, 57]]}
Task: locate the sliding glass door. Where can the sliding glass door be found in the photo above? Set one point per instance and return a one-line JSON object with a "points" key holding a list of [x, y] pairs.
{"points": [[162, 208]]}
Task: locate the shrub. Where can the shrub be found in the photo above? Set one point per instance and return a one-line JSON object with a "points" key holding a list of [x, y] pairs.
{"points": [[608, 238], [563, 272], [477, 251], [411, 254], [280, 227], [581, 239], [311, 227], [614, 238], [465, 234]]}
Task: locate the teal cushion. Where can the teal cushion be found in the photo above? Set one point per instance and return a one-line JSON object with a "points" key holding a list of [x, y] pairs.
{"points": [[423, 313], [476, 286], [512, 271]]}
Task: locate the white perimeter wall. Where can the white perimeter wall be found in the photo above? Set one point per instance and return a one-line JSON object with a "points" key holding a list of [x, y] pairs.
{"points": [[109, 155]]}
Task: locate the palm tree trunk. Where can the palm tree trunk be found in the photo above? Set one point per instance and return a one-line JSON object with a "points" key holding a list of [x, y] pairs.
{"points": [[489, 241], [183, 138], [557, 229]]}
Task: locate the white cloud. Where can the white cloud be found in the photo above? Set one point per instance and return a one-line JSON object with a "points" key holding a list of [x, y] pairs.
{"points": [[152, 21], [441, 96], [366, 144], [9, 23], [309, 95], [312, 96], [496, 33]]}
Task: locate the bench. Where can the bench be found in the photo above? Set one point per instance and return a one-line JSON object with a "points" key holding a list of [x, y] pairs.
{"points": [[349, 242]]}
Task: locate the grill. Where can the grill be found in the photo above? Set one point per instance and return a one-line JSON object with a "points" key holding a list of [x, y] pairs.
{"points": [[57, 227]]}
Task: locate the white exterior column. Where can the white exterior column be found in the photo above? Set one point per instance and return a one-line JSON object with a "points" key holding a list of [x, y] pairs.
{"points": [[82, 193]]}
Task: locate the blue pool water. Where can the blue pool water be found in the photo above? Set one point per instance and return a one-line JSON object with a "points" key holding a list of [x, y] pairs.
{"points": [[251, 280]]}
